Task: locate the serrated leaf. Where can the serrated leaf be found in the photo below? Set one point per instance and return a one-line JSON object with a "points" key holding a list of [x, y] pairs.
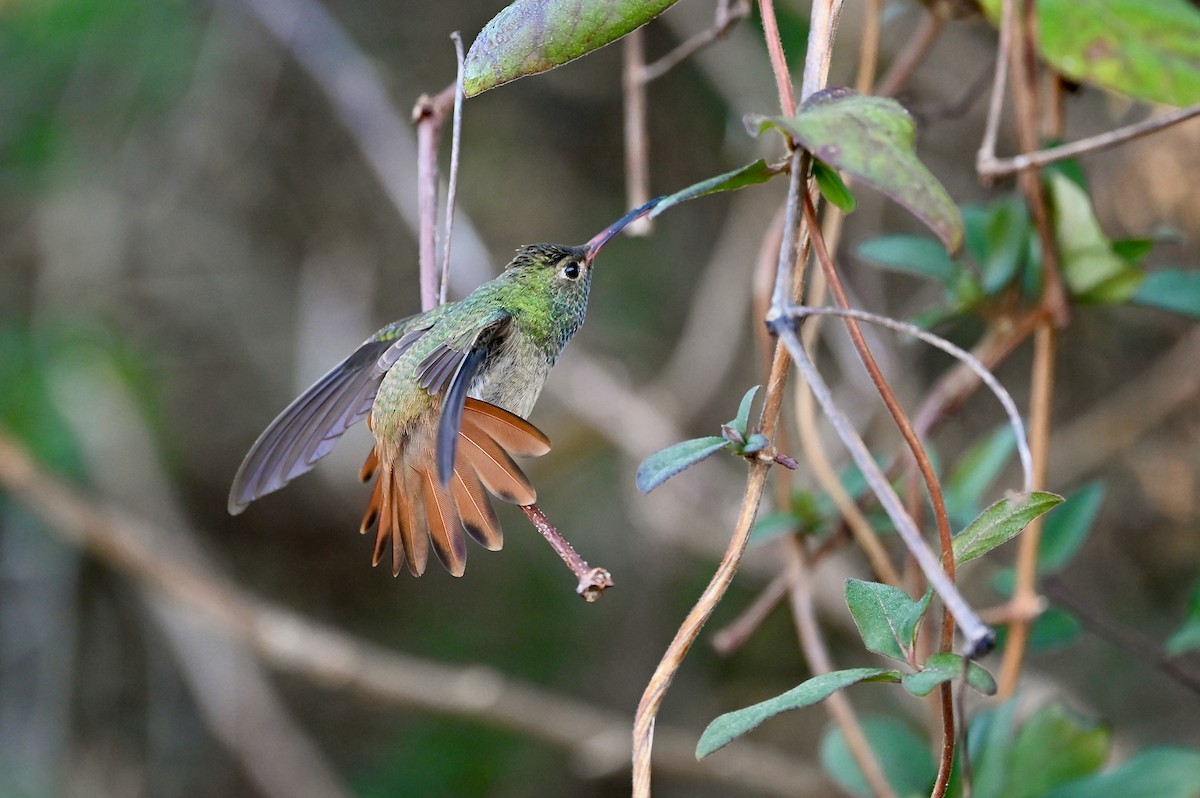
{"points": [[1066, 530], [1000, 523], [748, 175], [833, 188], [741, 421], [662, 465], [887, 618], [1170, 289], [914, 255], [1187, 637], [901, 753], [1153, 773], [728, 727], [940, 668], [975, 471], [533, 36], [872, 139], [1053, 747], [1093, 272]]}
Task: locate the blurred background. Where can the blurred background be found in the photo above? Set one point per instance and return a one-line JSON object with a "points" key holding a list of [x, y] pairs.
{"points": [[191, 232]]}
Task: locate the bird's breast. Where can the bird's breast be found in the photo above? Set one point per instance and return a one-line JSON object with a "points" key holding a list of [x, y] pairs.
{"points": [[513, 374]]}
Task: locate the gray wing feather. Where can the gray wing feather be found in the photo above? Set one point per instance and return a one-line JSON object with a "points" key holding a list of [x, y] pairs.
{"points": [[309, 427]]}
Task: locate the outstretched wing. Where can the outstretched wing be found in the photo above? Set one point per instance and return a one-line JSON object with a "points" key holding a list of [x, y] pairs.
{"points": [[448, 369], [310, 426]]}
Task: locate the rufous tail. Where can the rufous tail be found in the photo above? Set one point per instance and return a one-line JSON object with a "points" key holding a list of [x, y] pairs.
{"points": [[411, 508]]}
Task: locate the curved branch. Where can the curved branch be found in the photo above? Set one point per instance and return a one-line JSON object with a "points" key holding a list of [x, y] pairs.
{"points": [[327, 656]]}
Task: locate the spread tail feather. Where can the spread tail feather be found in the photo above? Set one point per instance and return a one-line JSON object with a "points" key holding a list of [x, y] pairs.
{"points": [[413, 509]]}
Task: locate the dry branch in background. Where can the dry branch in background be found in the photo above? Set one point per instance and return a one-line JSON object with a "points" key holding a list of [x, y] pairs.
{"points": [[289, 642]]}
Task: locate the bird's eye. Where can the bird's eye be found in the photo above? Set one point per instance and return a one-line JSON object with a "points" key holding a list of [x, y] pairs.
{"points": [[571, 271]]}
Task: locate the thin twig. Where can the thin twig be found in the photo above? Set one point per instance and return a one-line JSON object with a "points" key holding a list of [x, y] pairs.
{"points": [[452, 186], [966, 358], [1056, 311], [914, 52], [1025, 591], [328, 656], [727, 15], [428, 115], [637, 140], [592, 581], [1131, 641], [734, 634], [993, 168], [979, 637], [817, 458], [783, 80], [868, 51], [921, 458], [819, 662]]}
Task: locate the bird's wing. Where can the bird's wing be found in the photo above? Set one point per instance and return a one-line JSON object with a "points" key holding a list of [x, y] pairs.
{"points": [[310, 426], [448, 370]]}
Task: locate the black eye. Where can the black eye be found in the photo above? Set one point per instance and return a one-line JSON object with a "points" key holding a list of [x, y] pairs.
{"points": [[571, 270]]}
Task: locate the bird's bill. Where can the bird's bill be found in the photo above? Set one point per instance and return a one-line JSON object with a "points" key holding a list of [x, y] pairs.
{"points": [[604, 236]]}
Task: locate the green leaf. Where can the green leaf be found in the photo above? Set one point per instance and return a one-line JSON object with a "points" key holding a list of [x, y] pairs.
{"points": [[975, 471], [902, 754], [1054, 628], [915, 255], [833, 188], [741, 422], [1134, 249], [1149, 50], [1187, 637], [748, 175], [990, 741], [532, 36], [728, 727], [887, 618], [872, 139], [754, 444], [1066, 530], [1153, 773], [941, 668], [1170, 289], [1056, 746], [1093, 272], [1007, 233], [1000, 523], [662, 465]]}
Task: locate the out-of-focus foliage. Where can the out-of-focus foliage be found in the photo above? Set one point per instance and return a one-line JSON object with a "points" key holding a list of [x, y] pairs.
{"points": [[183, 212]]}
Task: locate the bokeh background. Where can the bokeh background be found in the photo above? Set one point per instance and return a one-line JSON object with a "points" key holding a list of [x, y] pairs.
{"points": [[190, 233]]}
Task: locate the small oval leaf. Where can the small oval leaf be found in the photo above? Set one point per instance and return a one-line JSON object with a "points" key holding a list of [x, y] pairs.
{"points": [[1000, 523], [728, 727], [833, 188], [914, 255], [748, 175], [532, 36], [662, 465], [887, 618], [941, 668], [742, 422]]}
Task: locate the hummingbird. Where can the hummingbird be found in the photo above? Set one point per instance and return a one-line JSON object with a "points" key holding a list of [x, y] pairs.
{"points": [[446, 394]]}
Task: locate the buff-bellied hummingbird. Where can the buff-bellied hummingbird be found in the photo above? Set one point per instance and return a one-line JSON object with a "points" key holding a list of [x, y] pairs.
{"points": [[445, 393]]}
